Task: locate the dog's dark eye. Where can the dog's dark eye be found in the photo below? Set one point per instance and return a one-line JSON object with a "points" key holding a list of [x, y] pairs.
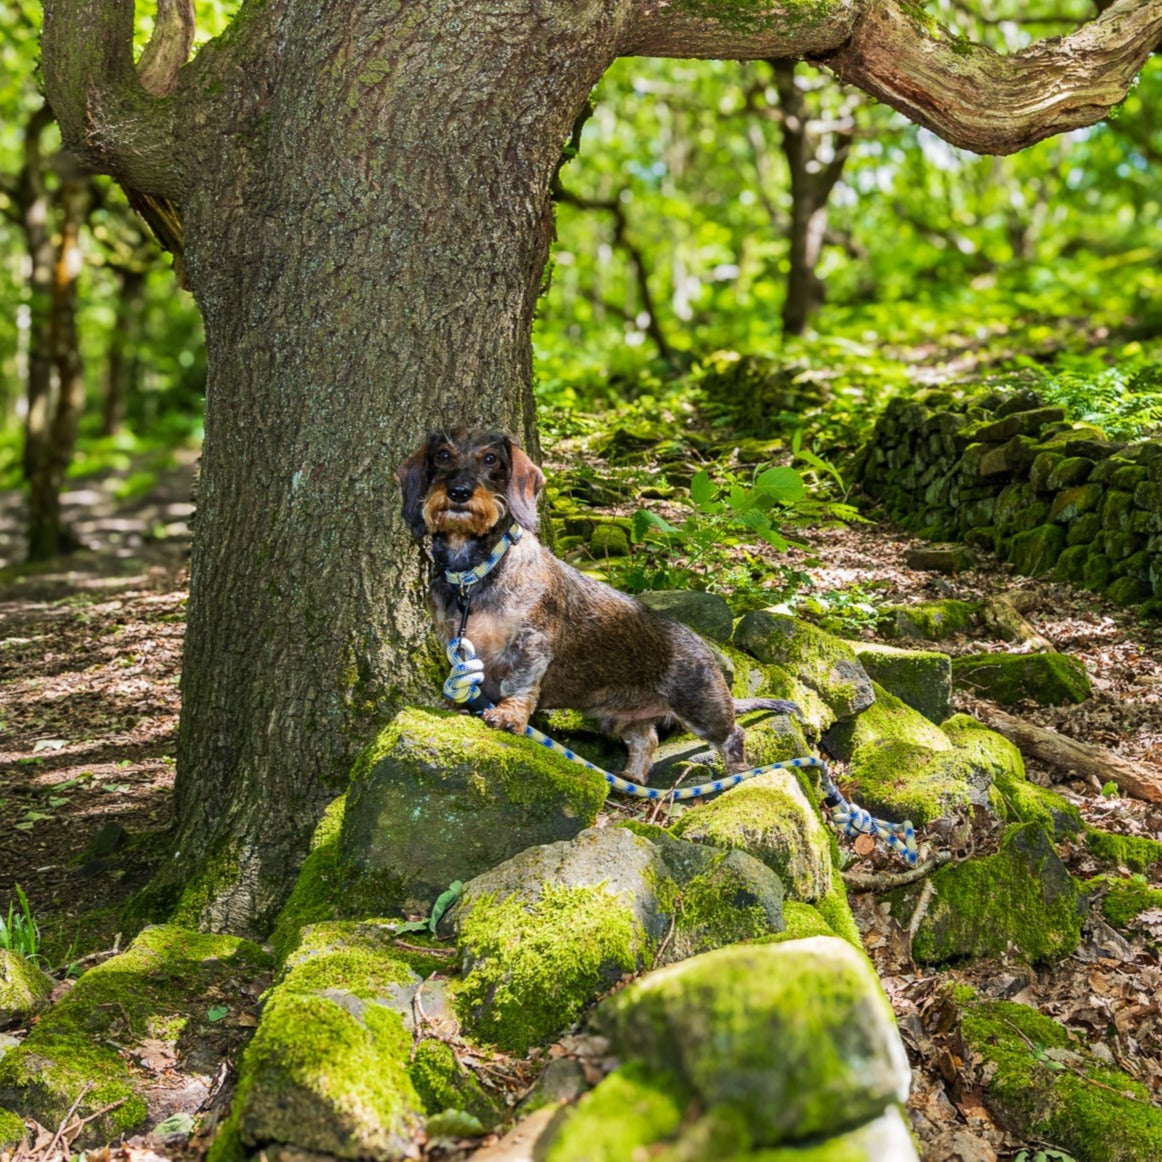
{"points": [[490, 458], [443, 456]]}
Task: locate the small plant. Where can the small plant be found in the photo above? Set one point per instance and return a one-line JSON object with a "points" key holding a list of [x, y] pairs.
{"points": [[708, 549], [20, 933]]}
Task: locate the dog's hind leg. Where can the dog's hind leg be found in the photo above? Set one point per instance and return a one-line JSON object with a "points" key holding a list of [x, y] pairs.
{"points": [[641, 737]]}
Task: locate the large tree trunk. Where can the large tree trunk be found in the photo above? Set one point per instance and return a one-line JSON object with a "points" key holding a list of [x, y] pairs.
{"points": [[364, 186]]}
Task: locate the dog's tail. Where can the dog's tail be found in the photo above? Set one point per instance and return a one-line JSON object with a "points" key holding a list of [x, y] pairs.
{"points": [[779, 705]]}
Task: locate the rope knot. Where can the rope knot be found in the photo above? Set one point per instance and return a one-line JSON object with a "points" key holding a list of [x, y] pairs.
{"points": [[467, 676]]}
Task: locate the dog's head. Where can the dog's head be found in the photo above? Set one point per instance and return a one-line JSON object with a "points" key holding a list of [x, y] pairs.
{"points": [[465, 483]]}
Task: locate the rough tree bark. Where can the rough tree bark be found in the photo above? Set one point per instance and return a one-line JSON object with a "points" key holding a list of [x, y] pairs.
{"points": [[364, 189]]}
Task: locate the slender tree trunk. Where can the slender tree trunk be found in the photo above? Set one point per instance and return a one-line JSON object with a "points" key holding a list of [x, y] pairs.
{"points": [[126, 325], [56, 379]]}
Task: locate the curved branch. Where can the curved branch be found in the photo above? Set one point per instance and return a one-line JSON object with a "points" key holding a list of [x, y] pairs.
{"points": [[106, 116], [988, 102], [736, 29], [169, 48]]}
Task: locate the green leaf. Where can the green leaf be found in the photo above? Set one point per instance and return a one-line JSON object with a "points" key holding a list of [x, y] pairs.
{"points": [[703, 492], [175, 1124], [443, 902], [216, 1012], [784, 484], [454, 1124], [645, 522]]}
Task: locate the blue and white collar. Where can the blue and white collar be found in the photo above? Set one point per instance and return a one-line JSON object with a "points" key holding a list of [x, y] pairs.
{"points": [[465, 580]]}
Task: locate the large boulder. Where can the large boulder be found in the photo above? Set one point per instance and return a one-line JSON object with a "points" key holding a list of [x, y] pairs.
{"points": [[824, 663], [1049, 679], [546, 933], [1020, 900], [772, 1044], [705, 613], [440, 796]]}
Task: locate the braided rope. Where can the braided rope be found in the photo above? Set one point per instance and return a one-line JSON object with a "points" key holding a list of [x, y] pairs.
{"points": [[463, 686]]}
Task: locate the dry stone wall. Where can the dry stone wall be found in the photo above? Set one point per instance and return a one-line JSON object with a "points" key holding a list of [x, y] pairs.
{"points": [[1004, 472]]}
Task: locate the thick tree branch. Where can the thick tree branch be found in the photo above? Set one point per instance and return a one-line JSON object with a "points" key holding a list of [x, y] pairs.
{"points": [[112, 123], [992, 103], [736, 29], [169, 48]]}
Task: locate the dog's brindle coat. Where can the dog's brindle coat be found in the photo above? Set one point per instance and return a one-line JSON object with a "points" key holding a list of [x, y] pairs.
{"points": [[547, 635]]}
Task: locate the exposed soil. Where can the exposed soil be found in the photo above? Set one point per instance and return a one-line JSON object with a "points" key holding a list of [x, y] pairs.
{"points": [[89, 672]]}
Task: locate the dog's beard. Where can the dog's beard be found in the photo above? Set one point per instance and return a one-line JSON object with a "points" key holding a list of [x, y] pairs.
{"points": [[475, 518]]}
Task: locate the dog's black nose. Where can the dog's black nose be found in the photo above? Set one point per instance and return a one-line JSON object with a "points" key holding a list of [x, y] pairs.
{"points": [[460, 493]]}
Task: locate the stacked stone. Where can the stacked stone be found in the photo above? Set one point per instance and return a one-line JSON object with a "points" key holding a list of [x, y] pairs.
{"points": [[1004, 472]]}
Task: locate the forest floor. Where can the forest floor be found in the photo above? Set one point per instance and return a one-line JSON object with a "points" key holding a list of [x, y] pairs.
{"points": [[89, 672]]}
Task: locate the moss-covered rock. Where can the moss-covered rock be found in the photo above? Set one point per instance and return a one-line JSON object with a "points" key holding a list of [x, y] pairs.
{"points": [[1071, 564], [439, 797], [1048, 679], [1011, 795], [1019, 900], [442, 1083], [788, 1041], [920, 678], [770, 818], [327, 1069], [1044, 1085], [24, 988], [544, 934], [1122, 900], [12, 1129], [825, 663], [608, 540], [705, 613], [1139, 853], [901, 766], [932, 621], [154, 990], [1035, 552]]}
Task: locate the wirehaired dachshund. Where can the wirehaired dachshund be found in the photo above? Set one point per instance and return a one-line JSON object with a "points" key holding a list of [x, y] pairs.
{"points": [[549, 636]]}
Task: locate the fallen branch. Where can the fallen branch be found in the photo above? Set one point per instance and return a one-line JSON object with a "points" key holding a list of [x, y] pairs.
{"points": [[1001, 617], [1082, 758], [886, 881]]}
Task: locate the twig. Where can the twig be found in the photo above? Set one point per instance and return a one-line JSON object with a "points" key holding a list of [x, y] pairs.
{"points": [[60, 1130], [424, 948], [926, 894], [670, 933], [418, 1016], [886, 881]]}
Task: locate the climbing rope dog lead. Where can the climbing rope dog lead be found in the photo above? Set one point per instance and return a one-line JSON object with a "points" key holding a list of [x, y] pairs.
{"points": [[463, 686]]}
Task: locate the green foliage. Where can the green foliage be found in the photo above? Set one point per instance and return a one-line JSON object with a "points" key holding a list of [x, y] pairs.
{"points": [[20, 933]]}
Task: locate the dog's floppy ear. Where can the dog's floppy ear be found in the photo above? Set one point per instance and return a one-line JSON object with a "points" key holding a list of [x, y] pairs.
{"points": [[525, 482], [412, 476]]}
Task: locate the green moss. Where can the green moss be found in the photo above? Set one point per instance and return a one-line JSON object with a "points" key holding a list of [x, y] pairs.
{"points": [[1045, 1086], [1122, 900], [1048, 679], [536, 968], [444, 1084], [159, 979], [1135, 852], [314, 1062], [796, 1039], [930, 620], [1019, 899], [771, 819], [802, 920], [717, 909], [219, 875], [12, 1128], [632, 1109]]}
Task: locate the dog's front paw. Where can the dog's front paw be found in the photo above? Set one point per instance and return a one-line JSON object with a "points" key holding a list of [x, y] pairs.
{"points": [[507, 717]]}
